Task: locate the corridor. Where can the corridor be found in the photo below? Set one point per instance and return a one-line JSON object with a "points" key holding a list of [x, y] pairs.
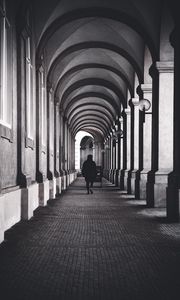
{"points": [[102, 246]]}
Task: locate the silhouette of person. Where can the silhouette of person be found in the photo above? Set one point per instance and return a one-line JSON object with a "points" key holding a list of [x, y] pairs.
{"points": [[89, 172]]}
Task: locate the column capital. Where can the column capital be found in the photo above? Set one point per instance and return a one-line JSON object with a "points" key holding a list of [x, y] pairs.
{"points": [[146, 87], [165, 66], [127, 111], [135, 101], [121, 120]]}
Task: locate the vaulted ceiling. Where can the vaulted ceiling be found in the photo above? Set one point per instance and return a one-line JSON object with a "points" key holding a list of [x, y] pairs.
{"points": [[94, 50]]}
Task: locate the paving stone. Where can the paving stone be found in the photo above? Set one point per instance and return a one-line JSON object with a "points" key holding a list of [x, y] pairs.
{"points": [[105, 246]]}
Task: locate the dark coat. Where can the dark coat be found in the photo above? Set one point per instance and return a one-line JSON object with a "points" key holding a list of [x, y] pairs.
{"points": [[89, 170]]}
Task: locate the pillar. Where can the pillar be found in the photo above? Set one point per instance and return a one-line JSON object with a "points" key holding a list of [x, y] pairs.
{"points": [[165, 138], [147, 142], [135, 132], [128, 149], [122, 153], [118, 154], [173, 188]]}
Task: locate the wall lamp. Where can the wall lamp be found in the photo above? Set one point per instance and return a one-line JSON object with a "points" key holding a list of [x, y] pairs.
{"points": [[118, 134], [144, 105], [106, 147]]}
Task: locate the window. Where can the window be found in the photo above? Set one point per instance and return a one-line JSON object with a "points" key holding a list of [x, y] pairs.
{"points": [[5, 99]]}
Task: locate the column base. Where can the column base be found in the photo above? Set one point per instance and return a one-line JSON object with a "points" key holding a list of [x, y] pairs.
{"points": [[67, 178], [127, 181], [105, 173], [52, 188], [161, 183], [116, 176], [173, 204], [143, 184], [173, 198], [150, 189], [134, 178], [44, 193], [10, 210], [110, 175], [63, 180], [121, 180], [29, 200], [160, 194], [58, 186]]}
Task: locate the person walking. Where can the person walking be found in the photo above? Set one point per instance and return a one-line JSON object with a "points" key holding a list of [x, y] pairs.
{"points": [[89, 172]]}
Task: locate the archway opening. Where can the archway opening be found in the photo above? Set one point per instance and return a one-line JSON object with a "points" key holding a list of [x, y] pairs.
{"points": [[83, 145]]}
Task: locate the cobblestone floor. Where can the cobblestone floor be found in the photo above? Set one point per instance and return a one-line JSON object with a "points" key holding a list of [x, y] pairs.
{"points": [[101, 246]]}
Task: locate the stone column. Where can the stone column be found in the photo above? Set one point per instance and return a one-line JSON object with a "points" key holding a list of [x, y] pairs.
{"points": [[65, 143], [50, 142], [50, 95], [122, 152], [61, 146], [110, 157], [63, 150], [97, 156], [147, 141], [99, 153], [128, 149], [57, 148], [113, 157], [107, 158], [56, 141], [118, 154], [95, 152], [165, 142], [136, 131], [173, 189]]}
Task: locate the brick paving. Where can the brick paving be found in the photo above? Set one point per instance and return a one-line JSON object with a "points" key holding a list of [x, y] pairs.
{"points": [[82, 247]]}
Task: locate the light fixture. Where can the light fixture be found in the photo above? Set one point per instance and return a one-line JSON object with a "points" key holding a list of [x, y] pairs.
{"points": [[106, 147], [118, 134], [144, 105]]}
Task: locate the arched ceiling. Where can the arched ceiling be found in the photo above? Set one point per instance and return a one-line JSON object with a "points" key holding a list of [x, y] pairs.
{"points": [[91, 52], [86, 141]]}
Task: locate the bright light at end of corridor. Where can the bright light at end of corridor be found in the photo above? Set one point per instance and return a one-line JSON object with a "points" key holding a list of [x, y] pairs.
{"points": [[78, 139]]}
